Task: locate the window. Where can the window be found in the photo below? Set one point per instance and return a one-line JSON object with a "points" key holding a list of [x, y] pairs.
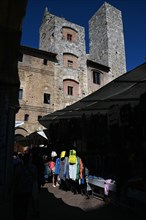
{"points": [[20, 57], [70, 90], [70, 87], [96, 77], [45, 61], [20, 93], [69, 34], [39, 116], [70, 63], [46, 98], [69, 37], [26, 117]]}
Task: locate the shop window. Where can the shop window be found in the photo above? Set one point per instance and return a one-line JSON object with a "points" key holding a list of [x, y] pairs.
{"points": [[20, 93], [26, 117], [96, 77], [46, 98], [70, 90]]}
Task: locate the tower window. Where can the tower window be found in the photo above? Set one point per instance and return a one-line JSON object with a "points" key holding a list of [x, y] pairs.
{"points": [[96, 77], [70, 63], [69, 34], [69, 37], [20, 93], [46, 98], [70, 90]]}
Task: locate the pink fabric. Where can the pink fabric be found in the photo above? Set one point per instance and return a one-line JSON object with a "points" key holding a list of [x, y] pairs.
{"points": [[106, 186], [52, 165]]}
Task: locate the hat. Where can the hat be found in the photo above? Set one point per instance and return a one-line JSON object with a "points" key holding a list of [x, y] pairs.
{"points": [[53, 154], [62, 154]]}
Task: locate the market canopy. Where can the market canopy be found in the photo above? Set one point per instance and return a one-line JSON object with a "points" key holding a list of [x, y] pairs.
{"points": [[125, 89]]}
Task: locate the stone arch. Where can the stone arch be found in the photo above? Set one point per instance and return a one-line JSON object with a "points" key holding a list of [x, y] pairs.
{"points": [[21, 131]]}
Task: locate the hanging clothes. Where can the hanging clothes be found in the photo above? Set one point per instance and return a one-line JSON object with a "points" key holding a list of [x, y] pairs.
{"points": [[72, 156]]}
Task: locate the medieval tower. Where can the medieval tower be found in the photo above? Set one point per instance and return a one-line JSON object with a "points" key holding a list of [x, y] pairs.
{"points": [[107, 40], [67, 40]]}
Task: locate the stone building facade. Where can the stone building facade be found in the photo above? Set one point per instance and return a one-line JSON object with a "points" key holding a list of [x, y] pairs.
{"points": [[60, 72]]}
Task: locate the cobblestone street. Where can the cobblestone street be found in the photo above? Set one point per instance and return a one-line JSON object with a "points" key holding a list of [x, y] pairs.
{"points": [[59, 203]]}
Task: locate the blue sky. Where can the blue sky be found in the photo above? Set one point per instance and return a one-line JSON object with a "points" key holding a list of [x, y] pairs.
{"points": [[80, 11]]}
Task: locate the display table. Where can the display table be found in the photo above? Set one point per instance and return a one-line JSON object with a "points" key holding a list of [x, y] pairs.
{"points": [[101, 187]]}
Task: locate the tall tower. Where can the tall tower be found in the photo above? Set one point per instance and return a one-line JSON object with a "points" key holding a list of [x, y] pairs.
{"points": [[106, 40], [67, 40]]}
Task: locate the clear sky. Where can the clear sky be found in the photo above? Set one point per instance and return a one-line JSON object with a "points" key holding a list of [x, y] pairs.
{"points": [[80, 11]]}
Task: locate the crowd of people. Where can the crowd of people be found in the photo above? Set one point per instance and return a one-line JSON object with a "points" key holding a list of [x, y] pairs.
{"points": [[32, 169], [67, 170]]}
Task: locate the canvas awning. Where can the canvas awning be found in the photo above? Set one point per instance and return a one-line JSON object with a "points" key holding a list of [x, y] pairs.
{"points": [[123, 90], [35, 138], [42, 133], [18, 123]]}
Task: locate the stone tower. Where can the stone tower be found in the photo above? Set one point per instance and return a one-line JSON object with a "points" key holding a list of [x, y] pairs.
{"points": [[106, 40], [57, 35], [67, 40]]}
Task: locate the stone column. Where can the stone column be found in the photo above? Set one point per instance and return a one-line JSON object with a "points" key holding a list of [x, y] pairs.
{"points": [[11, 16]]}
